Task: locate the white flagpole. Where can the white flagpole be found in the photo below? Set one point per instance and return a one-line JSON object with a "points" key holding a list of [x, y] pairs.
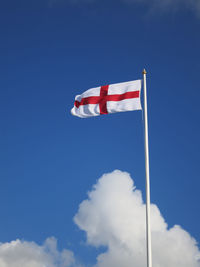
{"points": [[148, 227]]}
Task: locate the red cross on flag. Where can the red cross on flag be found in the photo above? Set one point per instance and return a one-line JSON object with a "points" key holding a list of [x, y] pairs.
{"points": [[106, 99]]}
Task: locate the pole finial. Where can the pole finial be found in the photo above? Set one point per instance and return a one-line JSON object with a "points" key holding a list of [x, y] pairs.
{"points": [[144, 71]]}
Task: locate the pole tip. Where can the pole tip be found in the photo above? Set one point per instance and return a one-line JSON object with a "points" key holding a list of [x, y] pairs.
{"points": [[144, 71]]}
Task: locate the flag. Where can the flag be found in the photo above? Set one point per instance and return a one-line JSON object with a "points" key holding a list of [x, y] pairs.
{"points": [[107, 99]]}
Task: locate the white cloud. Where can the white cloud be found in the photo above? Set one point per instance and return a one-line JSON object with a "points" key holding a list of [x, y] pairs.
{"points": [[114, 216], [28, 254]]}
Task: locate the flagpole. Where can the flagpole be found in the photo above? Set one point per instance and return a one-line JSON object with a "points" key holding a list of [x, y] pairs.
{"points": [[148, 227]]}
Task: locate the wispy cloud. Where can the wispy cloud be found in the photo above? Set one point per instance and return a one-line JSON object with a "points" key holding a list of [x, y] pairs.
{"points": [[170, 5], [150, 5]]}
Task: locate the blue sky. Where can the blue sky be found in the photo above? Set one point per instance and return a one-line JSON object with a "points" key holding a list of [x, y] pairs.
{"points": [[52, 51]]}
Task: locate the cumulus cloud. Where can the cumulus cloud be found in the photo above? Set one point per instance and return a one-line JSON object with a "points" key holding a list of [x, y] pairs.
{"points": [[29, 254], [114, 216]]}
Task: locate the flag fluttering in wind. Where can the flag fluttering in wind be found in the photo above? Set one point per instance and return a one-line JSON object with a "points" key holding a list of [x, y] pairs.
{"points": [[117, 98], [108, 99]]}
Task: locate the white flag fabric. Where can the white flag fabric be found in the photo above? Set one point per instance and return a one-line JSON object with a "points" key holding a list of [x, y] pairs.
{"points": [[107, 99]]}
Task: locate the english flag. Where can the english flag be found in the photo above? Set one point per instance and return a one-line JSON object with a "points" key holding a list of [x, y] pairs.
{"points": [[107, 99]]}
